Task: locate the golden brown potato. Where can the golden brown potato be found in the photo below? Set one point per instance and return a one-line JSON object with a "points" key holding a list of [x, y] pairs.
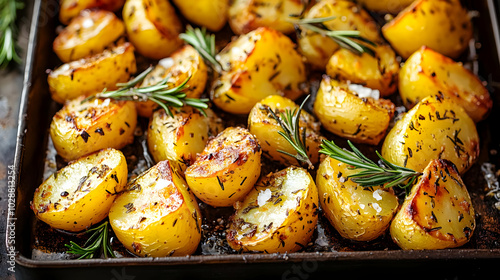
{"points": [[261, 63], [71, 8], [211, 14], [157, 216], [248, 15], [357, 213], [82, 127], [183, 64], [266, 128], [227, 168], [427, 72], [80, 194], [181, 137], [385, 6], [438, 213], [377, 72], [153, 27], [436, 128], [91, 75], [279, 214], [442, 25], [317, 48], [87, 34], [342, 112]]}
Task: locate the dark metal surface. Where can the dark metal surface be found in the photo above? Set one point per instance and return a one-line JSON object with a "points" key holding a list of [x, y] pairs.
{"points": [[341, 257]]}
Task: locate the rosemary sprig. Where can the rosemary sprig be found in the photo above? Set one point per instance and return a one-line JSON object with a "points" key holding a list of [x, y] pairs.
{"points": [[98, 242], [371, 174], [289, 122], [8, 31], [204, 43], [347, 39], [161, 93]]}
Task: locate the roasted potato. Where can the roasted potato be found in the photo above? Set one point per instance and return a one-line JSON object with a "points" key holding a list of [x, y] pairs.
{"points": [[428, 72], [377, 72], [279, 214], [261, 63], [211, 14], [342, 112], [442, 25], [438, 213], [181, 137], [356, 212], [248, 15], [157, 215], [436, 128], [183, 64], [80, 194], [93, 74], [385, 6], [317, 48], [227, 168], [262, 124], [82, 127], [153, 27], [87, 34], [71, 8]]}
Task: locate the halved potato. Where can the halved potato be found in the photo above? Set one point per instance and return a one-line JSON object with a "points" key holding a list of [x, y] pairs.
{"points": [[427, 72], [71, 8], [227, 168], [262, 124], [442, 25], [436, 128], [385, 6], [438, 213], [157, 215], [82, 127], [318, 48], [261, 63], [87, 34], [153, 27], [342, 112], [91, 75], [80, 194], [279, 215], [184, 63], [248, 15], [356, 212], [211, 14], [181, 137], [377, 72]]}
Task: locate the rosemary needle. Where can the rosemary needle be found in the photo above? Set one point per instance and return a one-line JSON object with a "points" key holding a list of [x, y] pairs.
{"points": [[98, 242], [204, 43], [8, 32]]}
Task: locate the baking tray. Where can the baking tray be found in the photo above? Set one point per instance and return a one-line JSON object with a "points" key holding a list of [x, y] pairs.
{"points": [[477, 258]]}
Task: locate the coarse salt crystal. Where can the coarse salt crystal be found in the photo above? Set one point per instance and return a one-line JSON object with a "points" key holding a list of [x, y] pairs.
{"points": [[364, 92], [376, 194], [166, 62], [376, 207], [263, 197], [87, 23]]}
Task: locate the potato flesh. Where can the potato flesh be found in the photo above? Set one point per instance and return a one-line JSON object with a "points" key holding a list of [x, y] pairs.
{"points": [[71, 8]]}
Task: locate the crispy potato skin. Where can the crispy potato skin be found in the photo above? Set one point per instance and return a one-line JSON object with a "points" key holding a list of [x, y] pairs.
{"points": [[442, 25], [80, 194], [71, 8], [157, 215], [87, 34], [248, 15], [181, 137], [211, 14], [379, 72], [81, 128], [266, 128], [317, 48], [357, 213], [342, 112], [91, 75], [227, 168], [287, 220], [153, 27], [428, 72], [437, 214], [261, 63], [386, 6], [436, 128]]}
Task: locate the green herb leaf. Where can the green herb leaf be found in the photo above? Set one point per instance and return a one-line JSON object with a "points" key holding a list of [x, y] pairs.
{"points": [[97, 243], [8, 31], [204, 43]]}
